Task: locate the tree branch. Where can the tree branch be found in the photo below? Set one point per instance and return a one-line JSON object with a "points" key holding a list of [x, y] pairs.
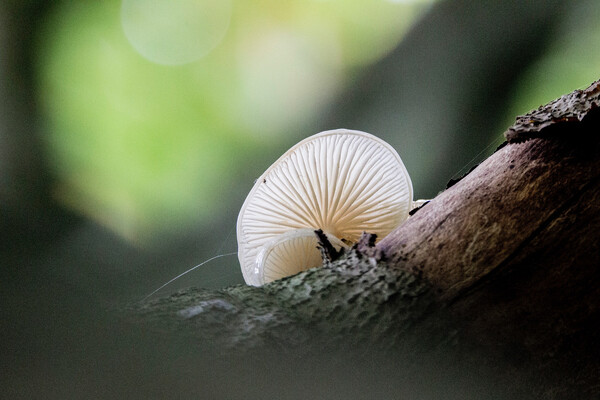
{"points": [[500, 269]]}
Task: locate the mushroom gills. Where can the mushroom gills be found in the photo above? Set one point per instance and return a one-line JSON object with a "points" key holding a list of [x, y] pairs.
{"points": [[290, 253], [343, 181]]}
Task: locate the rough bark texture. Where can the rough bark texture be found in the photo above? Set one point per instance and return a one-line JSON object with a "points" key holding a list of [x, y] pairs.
{"points": [[355, 297], [500, 270]]}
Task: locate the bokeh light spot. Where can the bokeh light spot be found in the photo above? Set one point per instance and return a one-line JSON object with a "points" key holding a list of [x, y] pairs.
{"points": [[175, 32], [149, 151]]}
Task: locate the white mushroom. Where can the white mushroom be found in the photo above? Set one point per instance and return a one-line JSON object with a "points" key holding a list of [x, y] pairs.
{"points": [[342, 181]]}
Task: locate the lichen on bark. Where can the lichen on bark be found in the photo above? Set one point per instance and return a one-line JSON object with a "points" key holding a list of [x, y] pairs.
{"points": [[358, 297]]}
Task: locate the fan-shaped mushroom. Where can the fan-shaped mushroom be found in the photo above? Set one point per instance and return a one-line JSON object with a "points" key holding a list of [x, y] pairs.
{"points": [[344, 182]]}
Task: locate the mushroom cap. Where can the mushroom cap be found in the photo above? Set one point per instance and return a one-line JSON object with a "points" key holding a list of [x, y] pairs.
{"points": [[294, 248], [342, 181]]}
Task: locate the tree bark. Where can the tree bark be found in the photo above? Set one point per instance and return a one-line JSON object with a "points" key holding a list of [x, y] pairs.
{"points": [[500, 270]]}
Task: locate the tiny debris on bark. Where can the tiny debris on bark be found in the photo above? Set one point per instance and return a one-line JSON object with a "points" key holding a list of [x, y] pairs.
{"points": [[328, 253], [366, 247]]}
